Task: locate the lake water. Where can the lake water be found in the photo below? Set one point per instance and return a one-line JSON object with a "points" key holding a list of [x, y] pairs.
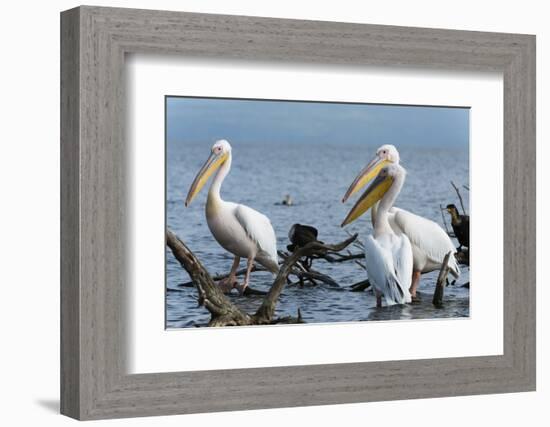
{"points": [[316, 176]]}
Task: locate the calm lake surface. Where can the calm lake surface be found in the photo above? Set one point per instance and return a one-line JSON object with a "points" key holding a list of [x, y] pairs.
{"points": [[316, 176]]}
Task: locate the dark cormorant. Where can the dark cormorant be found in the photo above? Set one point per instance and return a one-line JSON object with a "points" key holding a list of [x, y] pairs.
{"points": [[461, 226], [300, 235]]}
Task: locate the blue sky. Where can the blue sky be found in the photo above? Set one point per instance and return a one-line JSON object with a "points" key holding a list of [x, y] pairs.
{"points": [[209, 119]]}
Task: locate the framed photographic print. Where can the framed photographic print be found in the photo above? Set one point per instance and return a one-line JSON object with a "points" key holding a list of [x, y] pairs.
{"points": [[303, 212]]}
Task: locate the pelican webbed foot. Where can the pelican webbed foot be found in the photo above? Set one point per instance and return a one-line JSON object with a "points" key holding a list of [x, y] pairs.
{"points": [[241, 288], [416, 299], [249, 265], [230, 282], [227, 284]]}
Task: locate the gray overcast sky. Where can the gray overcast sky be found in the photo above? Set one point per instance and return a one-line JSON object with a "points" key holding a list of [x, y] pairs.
{"points": [[208, 119]]}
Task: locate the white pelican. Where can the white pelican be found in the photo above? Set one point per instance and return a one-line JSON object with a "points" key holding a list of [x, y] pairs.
{"points": [[241, 230], [430, 243], [388, 256]]}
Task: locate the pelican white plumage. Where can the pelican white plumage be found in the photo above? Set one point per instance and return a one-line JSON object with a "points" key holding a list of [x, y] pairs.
{"points": [[240, 230], [430, 243], [388, 256]]}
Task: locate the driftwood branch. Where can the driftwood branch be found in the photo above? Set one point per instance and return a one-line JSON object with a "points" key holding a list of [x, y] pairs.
{"points": [[314, 276], [223, 312], [360, 286], [267, 309], [336, 257], [357, 243], [459, 197], [437, 300], [219, 277], [303, 272], [444, 220]]}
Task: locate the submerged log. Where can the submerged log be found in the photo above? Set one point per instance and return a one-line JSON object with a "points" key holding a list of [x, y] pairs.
{"points": [[223, 312]]}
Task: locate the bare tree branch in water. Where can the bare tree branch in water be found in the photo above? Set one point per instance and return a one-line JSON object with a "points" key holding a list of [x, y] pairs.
{"points": [[463, 253], [459, 198], [303, 270], [337, 257], [248, 290], [442, 209], [267, 309], [223, 312], [439, 291], [360, 286]]}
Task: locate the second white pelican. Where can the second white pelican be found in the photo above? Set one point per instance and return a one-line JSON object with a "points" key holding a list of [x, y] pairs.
{"points": [[241, 230], [430, 243], [388, 256]]}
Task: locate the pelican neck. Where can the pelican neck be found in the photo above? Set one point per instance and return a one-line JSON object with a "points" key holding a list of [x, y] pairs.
{"points": [[381, 217], [215, 187]]}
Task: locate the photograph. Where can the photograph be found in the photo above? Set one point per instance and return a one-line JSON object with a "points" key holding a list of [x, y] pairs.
{"points": [[286, 212]]}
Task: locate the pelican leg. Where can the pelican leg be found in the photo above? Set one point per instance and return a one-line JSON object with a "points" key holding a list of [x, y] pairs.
{"points": [[249, 265], [414, 284], [378, 298], [229, 282]]}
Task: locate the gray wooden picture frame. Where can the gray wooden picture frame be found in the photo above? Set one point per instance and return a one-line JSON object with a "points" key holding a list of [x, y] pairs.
{"points": [[94, 41]]}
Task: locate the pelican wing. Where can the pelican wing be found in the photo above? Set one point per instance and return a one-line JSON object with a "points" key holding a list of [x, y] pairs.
{"points": [[426, 235], [258, 227], [387, 262], [403, 261]]}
